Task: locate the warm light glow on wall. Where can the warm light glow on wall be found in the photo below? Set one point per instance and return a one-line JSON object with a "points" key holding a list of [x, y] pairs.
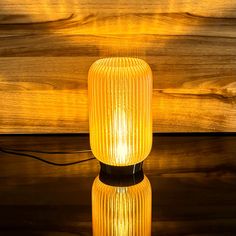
{"points": [[120, 112], [121, 211]]}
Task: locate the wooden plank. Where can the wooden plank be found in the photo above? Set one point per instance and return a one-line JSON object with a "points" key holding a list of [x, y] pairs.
{"points": [[119, 24], [71, 45], [60, 112], [52, 8], [50, 95]]}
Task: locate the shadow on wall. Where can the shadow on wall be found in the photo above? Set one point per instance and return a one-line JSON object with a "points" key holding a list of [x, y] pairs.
{"points": [[46, 50]]}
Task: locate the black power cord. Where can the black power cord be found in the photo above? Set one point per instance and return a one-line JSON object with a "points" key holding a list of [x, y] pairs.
{"points": [[21, 153], [45, 152]]}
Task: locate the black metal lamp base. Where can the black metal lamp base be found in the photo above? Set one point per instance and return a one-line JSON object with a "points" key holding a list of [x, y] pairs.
{"points": [[121, 175], [121, 170]]}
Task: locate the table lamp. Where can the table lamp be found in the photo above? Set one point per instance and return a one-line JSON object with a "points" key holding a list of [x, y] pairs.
{"points": [[120, 112]]}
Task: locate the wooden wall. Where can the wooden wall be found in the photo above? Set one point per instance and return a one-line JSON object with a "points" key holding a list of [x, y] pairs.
{"points": [[46, 48]]}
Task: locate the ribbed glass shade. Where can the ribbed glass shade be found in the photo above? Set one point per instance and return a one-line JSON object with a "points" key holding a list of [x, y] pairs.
{"points": [[121, 211], [120, 112]]}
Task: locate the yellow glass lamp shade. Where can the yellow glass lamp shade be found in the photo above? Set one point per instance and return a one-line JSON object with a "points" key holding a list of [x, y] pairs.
{"points": [[121, 211], [120, 110]]}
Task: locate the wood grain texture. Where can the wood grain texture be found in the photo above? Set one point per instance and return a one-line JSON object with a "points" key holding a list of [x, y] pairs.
{"points": [[47, 48], [192, 178]]}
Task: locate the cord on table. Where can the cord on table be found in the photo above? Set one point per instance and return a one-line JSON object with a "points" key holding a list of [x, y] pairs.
{"points": [[19, 153]]}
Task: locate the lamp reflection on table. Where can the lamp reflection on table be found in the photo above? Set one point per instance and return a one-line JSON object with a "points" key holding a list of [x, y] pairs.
{"points": [[121, 207]]}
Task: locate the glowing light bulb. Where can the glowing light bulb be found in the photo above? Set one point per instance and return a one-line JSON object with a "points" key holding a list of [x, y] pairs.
{"points": [[121, 211], [120, 110]]}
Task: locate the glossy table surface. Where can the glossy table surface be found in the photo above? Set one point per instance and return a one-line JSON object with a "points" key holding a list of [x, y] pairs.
{"points": [[193, 179]]}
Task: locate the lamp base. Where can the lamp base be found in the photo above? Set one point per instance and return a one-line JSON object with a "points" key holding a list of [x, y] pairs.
{"points": [[121, 170], [121, 175]]}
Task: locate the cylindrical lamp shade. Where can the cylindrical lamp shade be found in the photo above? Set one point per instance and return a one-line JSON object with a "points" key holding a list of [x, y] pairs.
{"points": [[121, 211], [120, 110]]}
